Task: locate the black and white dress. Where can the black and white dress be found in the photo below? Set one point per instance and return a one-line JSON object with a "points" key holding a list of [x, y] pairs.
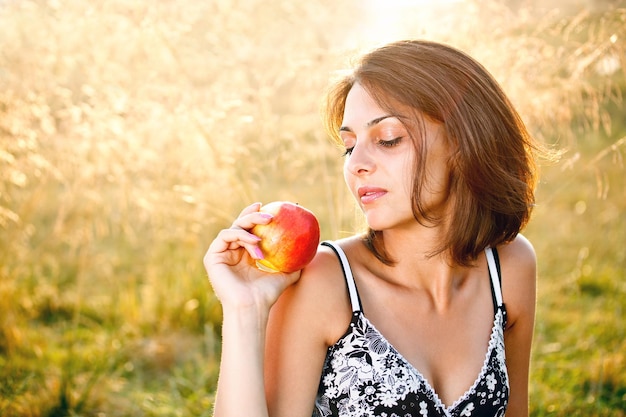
{"points": [[364, 375]]}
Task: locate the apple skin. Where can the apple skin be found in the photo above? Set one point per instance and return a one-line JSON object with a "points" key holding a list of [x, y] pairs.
{"points": [[290, 240]]}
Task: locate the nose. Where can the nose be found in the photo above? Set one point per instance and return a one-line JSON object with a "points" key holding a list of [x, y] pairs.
{"points": [[361, 160]]}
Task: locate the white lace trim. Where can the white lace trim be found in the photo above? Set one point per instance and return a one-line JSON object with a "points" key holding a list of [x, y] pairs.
{"points": [[496, 331]]}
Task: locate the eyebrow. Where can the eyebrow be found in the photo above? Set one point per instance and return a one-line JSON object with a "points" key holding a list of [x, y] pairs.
{"points": [[370, 123]]}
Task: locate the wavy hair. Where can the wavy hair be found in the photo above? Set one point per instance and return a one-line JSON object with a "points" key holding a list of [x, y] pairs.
{"points": [[492, 169]]}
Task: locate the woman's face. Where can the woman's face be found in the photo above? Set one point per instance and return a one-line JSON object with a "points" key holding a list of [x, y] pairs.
{"points": [[380, 156]]}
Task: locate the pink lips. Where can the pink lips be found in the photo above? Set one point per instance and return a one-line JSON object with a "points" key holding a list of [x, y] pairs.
{"points": [[370, 194]]}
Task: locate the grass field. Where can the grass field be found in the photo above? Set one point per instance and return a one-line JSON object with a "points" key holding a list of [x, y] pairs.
{"points": [[132, 131]]}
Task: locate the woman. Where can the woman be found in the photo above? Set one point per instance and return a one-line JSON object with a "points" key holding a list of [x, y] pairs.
{"points": [[429, 313]]}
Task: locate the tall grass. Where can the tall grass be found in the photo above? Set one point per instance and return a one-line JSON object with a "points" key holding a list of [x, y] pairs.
{"points": [[130, 132]]}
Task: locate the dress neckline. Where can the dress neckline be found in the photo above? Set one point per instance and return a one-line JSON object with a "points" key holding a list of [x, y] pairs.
{"points": [[491, 345]]}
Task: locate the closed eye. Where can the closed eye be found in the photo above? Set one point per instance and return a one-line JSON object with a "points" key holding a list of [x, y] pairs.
{"points": [[390, 143], [384, 143]]}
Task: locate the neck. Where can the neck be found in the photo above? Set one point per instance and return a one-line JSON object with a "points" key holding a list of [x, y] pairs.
{"points": [[416, 244], [418, 266]]}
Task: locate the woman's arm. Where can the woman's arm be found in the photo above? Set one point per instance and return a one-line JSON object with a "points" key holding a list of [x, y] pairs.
{"points": [[246, 294], [240, 388], [519, 266]]}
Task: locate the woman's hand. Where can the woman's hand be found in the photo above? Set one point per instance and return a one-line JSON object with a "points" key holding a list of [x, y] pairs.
{"points": [[230, 263], [246, 294]]}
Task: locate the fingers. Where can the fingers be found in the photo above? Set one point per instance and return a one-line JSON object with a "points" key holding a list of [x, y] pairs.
{"points": [[233, 239], [250, 209], [239, 237], [251, 216]]}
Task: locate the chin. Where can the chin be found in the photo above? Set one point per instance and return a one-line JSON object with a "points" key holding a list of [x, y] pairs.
{"points": [[385, 221], [379, 223]]}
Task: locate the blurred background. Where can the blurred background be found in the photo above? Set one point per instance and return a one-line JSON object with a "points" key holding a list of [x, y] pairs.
{"points": [[132, 131]]}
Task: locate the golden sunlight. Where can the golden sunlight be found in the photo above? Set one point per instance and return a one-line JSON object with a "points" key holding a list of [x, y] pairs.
{"points": [[390, 20]]}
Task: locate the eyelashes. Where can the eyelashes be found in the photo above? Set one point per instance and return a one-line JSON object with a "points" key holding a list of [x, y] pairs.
{"points": [[390, 143], [382, 143]]}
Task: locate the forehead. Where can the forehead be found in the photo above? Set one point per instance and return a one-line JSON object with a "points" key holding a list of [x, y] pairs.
{"points": [[360, 107], [362, 111]]}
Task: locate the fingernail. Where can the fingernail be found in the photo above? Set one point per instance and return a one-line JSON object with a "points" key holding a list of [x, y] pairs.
{"points": [[266, 215], [258, 253]]}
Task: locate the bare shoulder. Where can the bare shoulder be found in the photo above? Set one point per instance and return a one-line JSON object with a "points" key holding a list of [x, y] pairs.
{"points": [[519, 250], [324, 273], [518, 263], [319, 299]]}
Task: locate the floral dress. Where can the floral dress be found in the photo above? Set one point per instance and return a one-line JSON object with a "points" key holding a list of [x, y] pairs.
{"points": [[365, 376]]}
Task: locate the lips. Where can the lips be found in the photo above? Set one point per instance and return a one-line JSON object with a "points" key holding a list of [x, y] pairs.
{"points": [[368, 194]]}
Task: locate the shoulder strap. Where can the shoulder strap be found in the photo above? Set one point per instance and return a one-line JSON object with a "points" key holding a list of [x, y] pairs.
{"points": [[494, 273], [347, 273]]}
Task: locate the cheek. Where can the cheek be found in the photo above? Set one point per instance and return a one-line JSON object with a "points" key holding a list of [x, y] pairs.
{"points": [[408, 174], [349, 179]]}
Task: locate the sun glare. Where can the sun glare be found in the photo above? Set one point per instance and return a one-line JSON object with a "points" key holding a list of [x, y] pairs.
{"points": [[389, 20]]}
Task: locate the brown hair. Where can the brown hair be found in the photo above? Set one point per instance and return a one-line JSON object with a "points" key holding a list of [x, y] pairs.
{"points": [[493, 173]]}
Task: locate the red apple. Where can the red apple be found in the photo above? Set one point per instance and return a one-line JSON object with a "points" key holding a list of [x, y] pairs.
{"points": [[289, 241]]}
